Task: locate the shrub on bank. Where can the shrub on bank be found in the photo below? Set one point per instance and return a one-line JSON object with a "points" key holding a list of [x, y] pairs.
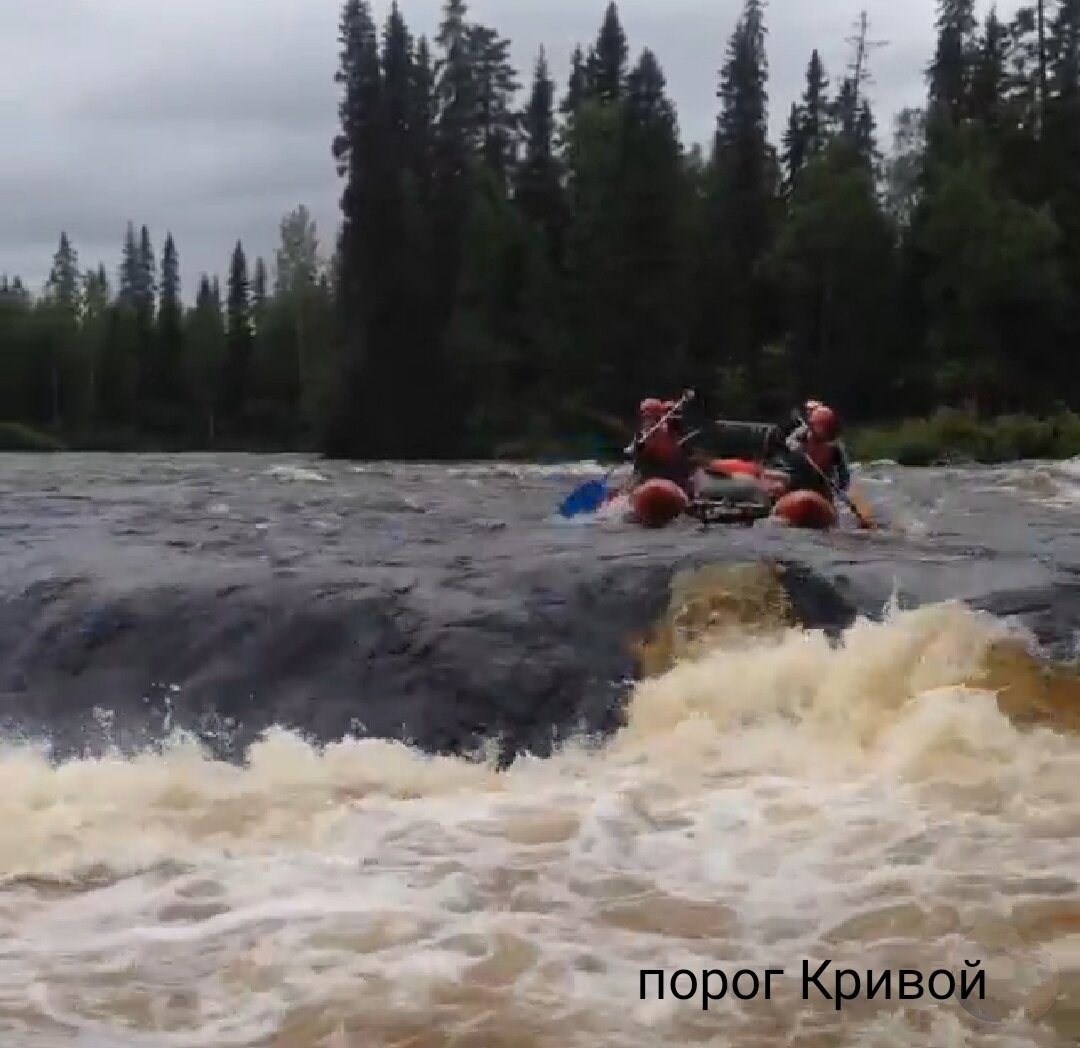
{"points": [[15, 436], [951, 434]]}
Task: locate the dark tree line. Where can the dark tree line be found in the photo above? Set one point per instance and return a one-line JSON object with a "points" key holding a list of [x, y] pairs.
{"points": [[514, 265], [128, 365]]}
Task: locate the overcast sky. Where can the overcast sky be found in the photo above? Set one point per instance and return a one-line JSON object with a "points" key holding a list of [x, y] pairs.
{"points": [[212, 119]]}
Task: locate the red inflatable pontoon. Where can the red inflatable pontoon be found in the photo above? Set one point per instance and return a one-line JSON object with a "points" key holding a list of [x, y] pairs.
{"points": [[773, 481], [658, 502], [731, 467], [806, 509]]}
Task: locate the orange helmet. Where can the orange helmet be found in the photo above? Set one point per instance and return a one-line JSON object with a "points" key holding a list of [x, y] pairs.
{"points": [[823, 422], [651, 407]]}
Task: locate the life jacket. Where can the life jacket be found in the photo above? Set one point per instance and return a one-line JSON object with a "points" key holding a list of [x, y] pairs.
{"points": [[662, 446], [821, 452]]}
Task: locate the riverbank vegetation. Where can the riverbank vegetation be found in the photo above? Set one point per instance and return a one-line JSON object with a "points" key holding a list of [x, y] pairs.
{"points": [[516, 260], [951, 435]]}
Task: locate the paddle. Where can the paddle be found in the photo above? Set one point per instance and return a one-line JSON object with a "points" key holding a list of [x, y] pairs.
{"points": [[861, 514], [589, 497]]}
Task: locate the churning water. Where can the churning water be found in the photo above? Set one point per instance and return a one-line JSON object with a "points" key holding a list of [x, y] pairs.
{"points": [[775, 801], [907, 799]]}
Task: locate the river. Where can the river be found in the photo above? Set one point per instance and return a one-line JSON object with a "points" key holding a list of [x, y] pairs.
{"points": [[312, 755]]}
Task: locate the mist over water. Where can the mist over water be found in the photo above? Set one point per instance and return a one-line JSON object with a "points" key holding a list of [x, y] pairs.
{"points": [[772, 797]]}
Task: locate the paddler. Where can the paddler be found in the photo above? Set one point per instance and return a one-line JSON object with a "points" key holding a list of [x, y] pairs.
{"points": [[659, 449], [814, 453]]}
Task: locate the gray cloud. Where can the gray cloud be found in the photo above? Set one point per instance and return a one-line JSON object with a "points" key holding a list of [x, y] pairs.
{"points": [[211, 120]]}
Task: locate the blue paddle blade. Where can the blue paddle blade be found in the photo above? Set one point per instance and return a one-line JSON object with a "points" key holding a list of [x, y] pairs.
{"points": [[586, 498]]}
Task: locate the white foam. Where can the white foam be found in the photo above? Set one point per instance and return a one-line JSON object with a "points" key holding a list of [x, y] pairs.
{"points": [[771, 802]]}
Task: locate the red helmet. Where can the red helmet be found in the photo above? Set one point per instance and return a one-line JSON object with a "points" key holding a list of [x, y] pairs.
{"points": [[823, 422], [651, 407]]}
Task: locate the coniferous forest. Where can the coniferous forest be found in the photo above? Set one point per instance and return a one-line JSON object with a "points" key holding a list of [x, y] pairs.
{"points": [[518, 262]]}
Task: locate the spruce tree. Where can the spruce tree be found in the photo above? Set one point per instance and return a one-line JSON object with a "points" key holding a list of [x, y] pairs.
{"points": [[815, 107], [793, 151], [577, 85], [605, 69], [63, 295], [398, 89], [144, 302], [856, 126], [239, 338], [744, 209], [950, 72], [989, 75], [260, 285], [456, 90], [539, 187], [496, 87], [834, 268], [422, 116], [96, 308], [121, 361], [457, 140], [652, 244], [355, 148], [809, 123], [204, 359], [147, 276], [130, 276], [62, 287], [742, 126], [169, 342], [594, 159]]}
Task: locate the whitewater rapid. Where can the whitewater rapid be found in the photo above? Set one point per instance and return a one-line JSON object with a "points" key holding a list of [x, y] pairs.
{"points": [[779, 798]]}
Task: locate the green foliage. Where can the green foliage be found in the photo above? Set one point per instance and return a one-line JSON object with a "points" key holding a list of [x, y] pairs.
{"points": [[14, 436], [514, 269], [834, 260], [952, 434]]}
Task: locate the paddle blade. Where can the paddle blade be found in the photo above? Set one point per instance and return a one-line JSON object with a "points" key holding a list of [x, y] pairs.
{"points": [[586, 498], [861, 509]]}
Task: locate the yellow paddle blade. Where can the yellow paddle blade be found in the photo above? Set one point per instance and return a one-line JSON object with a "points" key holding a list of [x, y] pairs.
{"points": [[861, 507]]}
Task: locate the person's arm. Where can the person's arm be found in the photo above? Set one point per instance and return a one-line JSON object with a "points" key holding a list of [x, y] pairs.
{"points": [[786, 426], [797, 436]]}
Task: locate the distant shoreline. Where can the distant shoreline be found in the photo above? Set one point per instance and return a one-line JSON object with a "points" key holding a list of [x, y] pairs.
{"points": [[948, 436]]}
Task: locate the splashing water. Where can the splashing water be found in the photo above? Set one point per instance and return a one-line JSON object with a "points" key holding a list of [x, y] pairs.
{"points": [[774, 800]]}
